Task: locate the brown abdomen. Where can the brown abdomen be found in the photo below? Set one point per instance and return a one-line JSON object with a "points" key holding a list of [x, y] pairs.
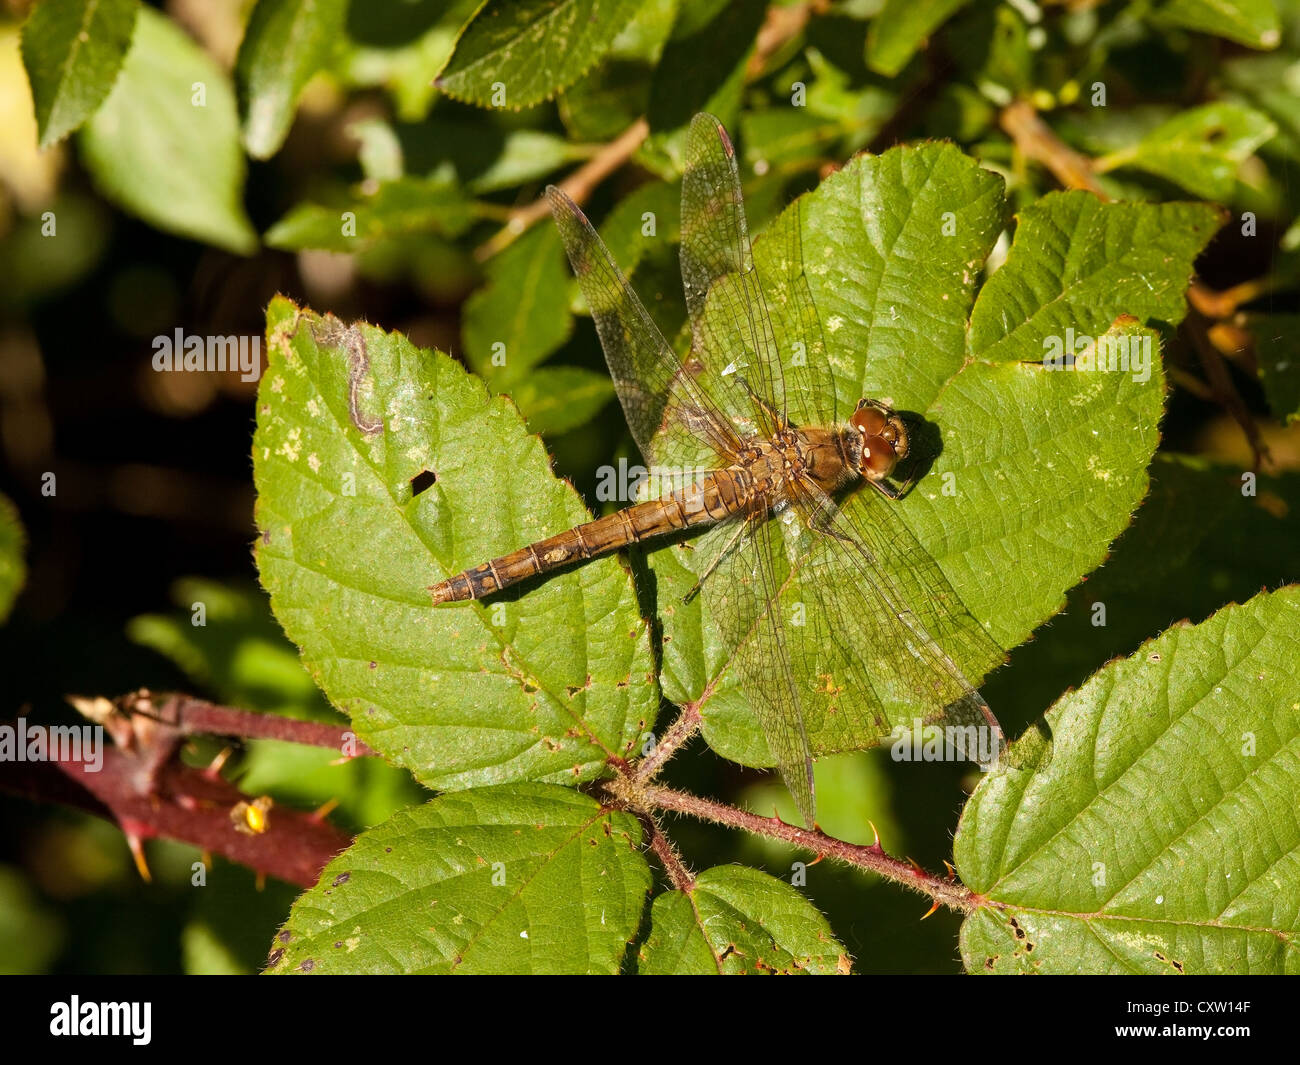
{"points": [[710, 501]]}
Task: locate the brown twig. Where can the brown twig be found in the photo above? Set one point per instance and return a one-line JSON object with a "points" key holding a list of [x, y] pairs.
{"points": [[943, 890], [781, 24], [1197, 327], [662, 848], [1035, 140], [578, 185], [181, 803], [193, 717]]}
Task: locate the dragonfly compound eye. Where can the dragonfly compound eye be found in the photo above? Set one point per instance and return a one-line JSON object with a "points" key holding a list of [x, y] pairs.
{"points": [[884, 439], [879, 457]]}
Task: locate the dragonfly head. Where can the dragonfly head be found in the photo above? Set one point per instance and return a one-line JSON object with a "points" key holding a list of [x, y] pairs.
{"points": [[882, 439]]}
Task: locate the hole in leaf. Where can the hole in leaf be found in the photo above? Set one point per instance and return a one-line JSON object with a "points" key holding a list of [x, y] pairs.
{"points": [[423, 481]]}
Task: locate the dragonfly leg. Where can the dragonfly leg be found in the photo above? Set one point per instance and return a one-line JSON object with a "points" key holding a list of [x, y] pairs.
{"points": [[713, 563], [889, 491]]}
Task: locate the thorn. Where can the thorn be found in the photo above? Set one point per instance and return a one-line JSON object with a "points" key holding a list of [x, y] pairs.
{"points": [[215, 766], [324, 810], [875, 833], [815, 861], [137, 853], [952, 873], [930, 910], [912, 863], [261, 882], [776, 816]]}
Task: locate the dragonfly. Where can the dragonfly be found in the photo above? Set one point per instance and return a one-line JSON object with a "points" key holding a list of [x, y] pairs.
{"points": [[833, 616]]}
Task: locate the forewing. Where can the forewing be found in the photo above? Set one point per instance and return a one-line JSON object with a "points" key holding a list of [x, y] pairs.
{"points": [[666, 410], [742, 597], [731, 334], [800, 343]]}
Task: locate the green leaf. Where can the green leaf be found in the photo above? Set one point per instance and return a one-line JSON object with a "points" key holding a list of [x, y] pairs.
{"points": [[1277, 351], [157, 152], [901, 28], [521, 315], [373, 213], [1200, 150], [33, 267], [733, 920], [73, 51], [524, 879], [614, 94], [1077, 262], [531, 49], [1272, 84], [285, 44], [702, 68], [1253, 23], [649, 216], [557, 399], [32, 931], [548, 686], [13, 542], [1198, 518], [404, 64], [1161, 836]]}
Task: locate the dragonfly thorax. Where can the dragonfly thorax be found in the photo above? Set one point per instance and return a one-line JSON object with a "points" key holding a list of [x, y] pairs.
{"points": [[879, 440]]}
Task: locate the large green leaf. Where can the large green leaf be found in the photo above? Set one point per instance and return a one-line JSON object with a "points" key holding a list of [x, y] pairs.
{"points": [[902, 27], [531, 49], [1162, 835], [73, 51], [1253, 23], [165, 145], [353, 425], [1201, 150], [286, 42], [532, 878], [734, 920]]}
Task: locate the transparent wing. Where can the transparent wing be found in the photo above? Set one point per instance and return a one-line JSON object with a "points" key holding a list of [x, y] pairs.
{"points": [[731, 332], [883, 649], [666, 410], [801, 345], [742, 598]]}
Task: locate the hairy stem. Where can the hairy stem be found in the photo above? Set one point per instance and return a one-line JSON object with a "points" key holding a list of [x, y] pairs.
{"points": [[678, 733], [945, 891]]}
